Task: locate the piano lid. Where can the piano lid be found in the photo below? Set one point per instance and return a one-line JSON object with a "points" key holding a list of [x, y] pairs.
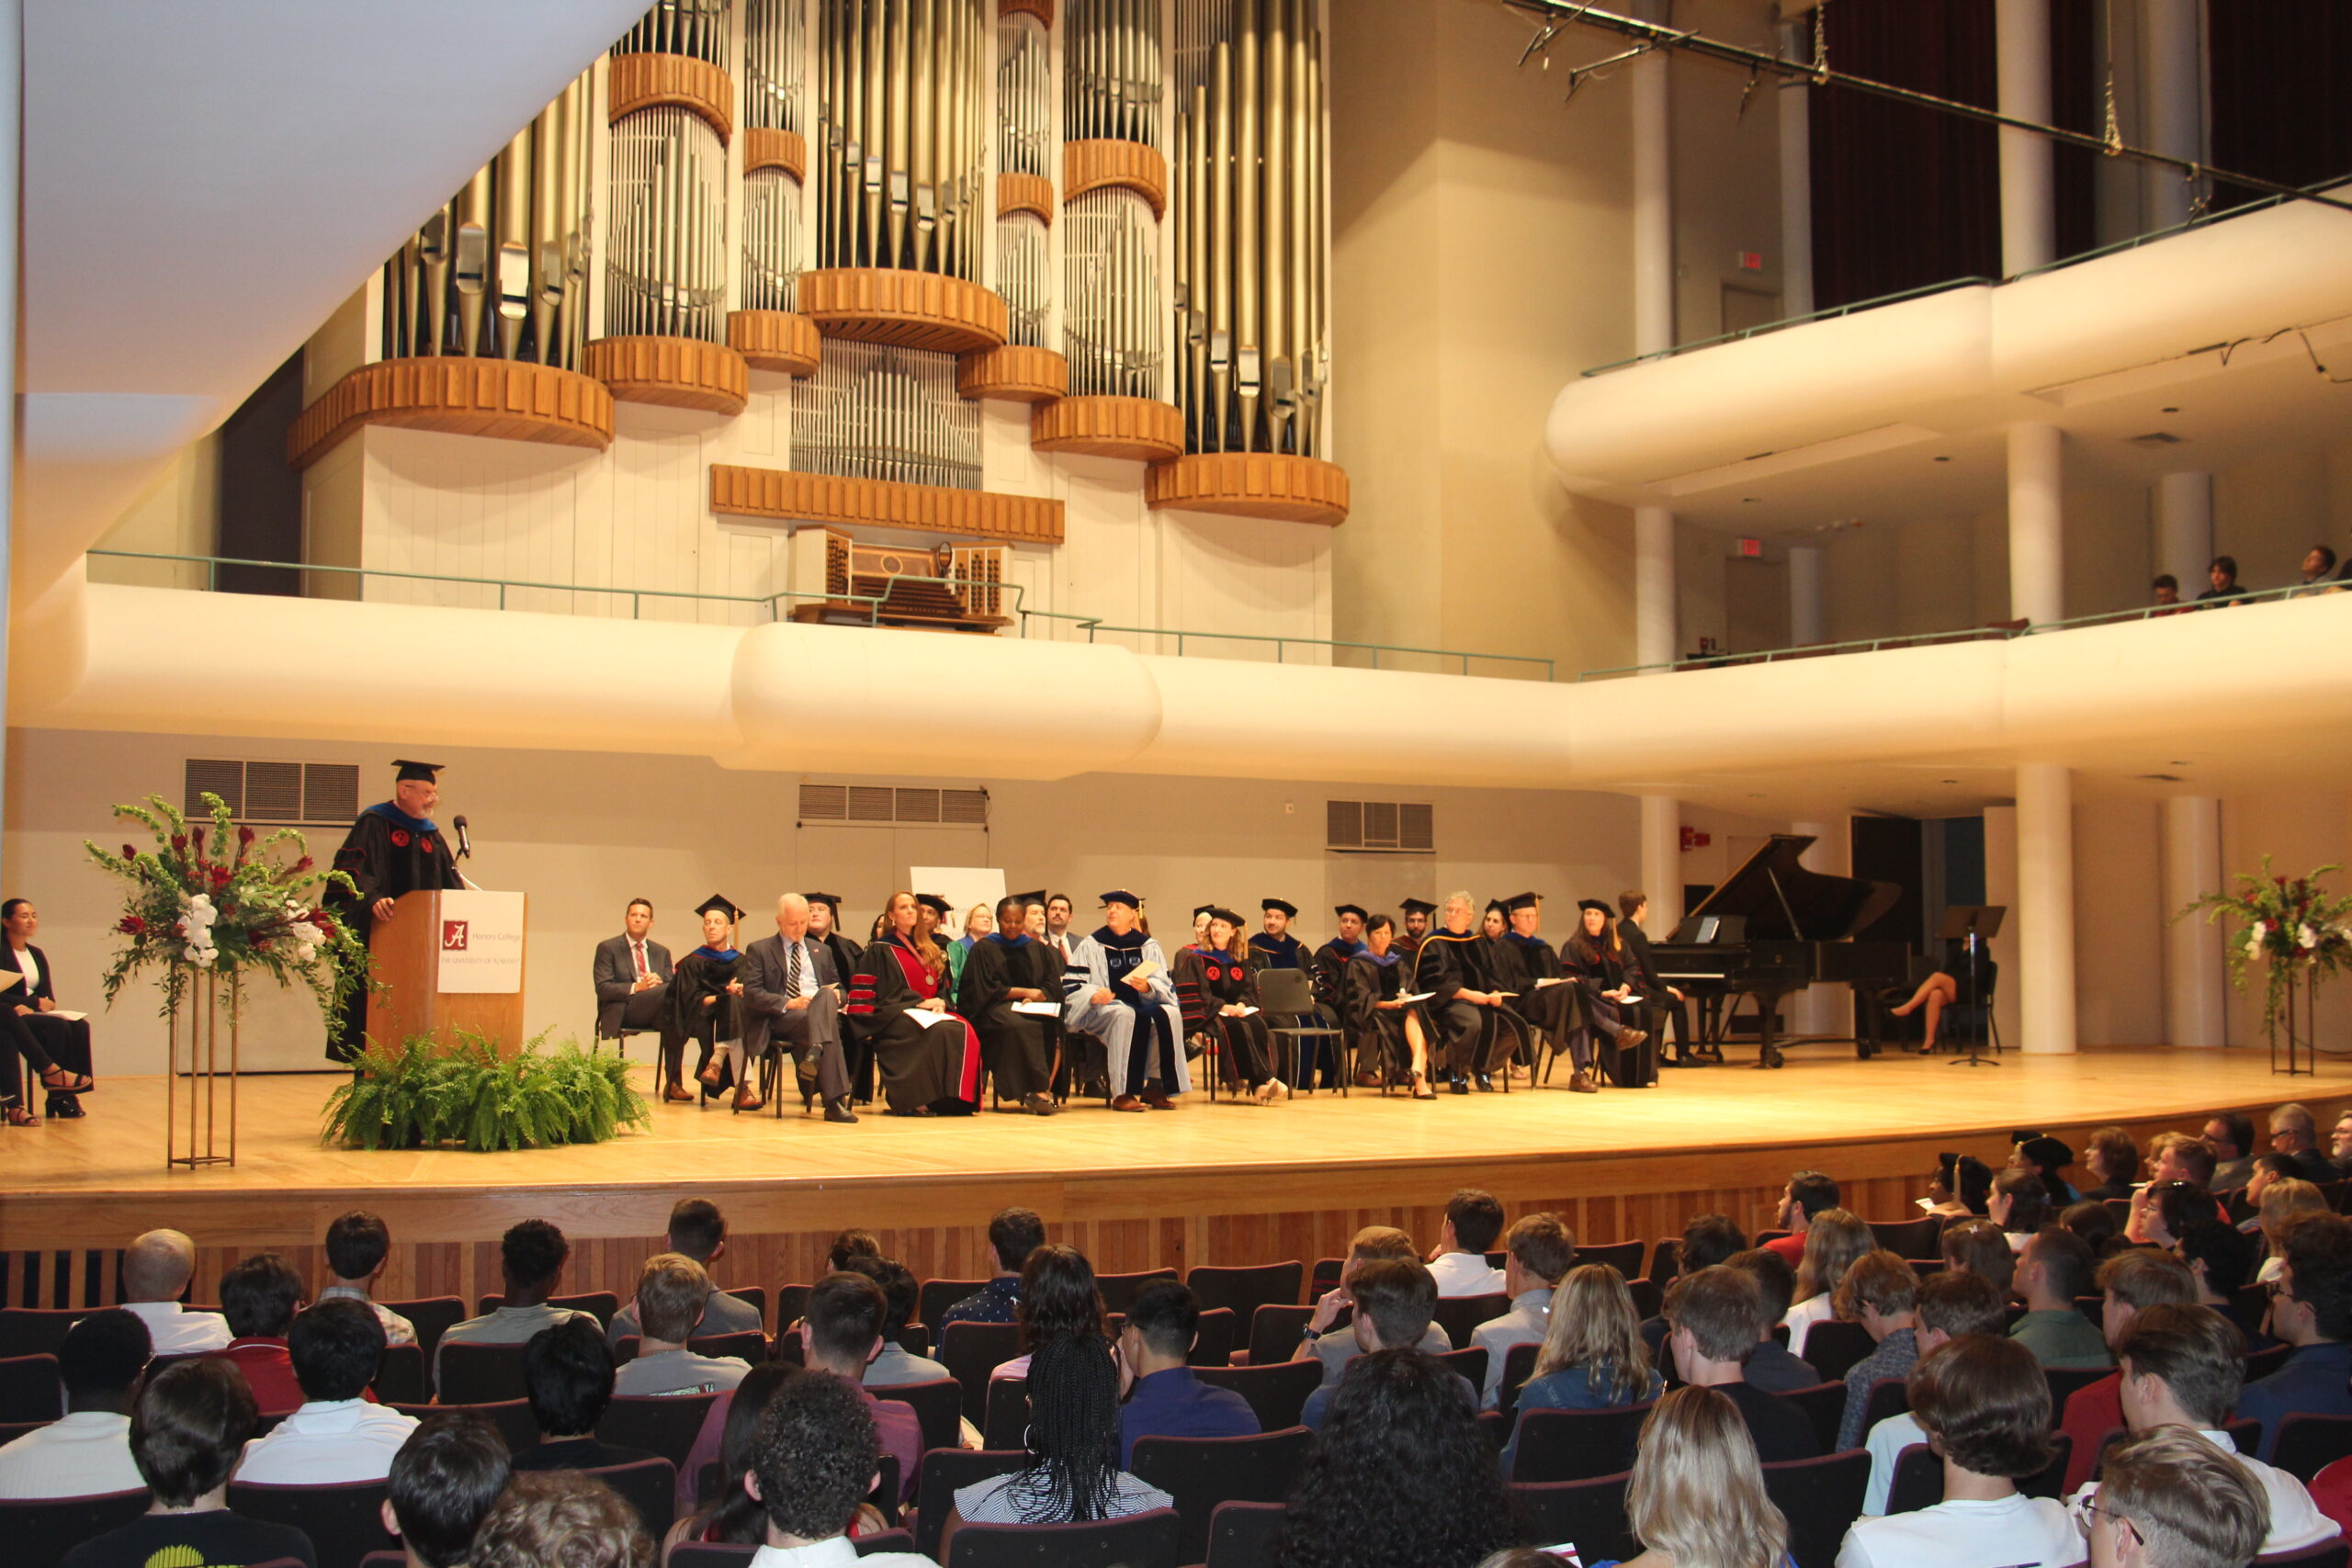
{"points": [[1784, 902]]}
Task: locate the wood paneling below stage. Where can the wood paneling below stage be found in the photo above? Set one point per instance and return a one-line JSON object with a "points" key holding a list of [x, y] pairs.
{"points": [[1208, 1184]]}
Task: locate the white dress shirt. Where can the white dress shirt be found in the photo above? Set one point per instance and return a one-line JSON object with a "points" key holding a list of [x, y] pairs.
{"points": [[2016, 1532], [1803, 1315], [29, 967], [173, 1330], [1465, 1274], [835, 1552], [328, 1440], [2296, 1523], [86, 1453], [1528, 1321]]}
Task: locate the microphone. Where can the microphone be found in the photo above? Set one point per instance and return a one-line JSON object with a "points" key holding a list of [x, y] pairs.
{"points": [[465, 844]]}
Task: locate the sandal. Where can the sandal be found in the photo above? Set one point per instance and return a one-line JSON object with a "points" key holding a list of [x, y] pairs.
{"points": [[63, 1082], [17, 1116]]}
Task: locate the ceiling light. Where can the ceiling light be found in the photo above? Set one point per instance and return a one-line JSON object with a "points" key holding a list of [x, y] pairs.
{"points": [[2158, 438], [2170, 411], [1943, 459]]}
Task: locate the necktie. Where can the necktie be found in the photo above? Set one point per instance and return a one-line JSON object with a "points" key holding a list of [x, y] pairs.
{"points": [[792, 972], [639, 948]]}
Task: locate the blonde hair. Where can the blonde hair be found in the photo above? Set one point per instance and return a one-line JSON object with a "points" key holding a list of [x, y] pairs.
{"points": [[1834, 1239], [1593, 1326], [924, 948], [2283, 1203], [1696, 1492], [982, 911], [672, 1292]]}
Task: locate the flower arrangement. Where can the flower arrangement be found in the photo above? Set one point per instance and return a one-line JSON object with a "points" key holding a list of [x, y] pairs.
{"points": [[217, 899], [413, 1095], [2293, 925]]}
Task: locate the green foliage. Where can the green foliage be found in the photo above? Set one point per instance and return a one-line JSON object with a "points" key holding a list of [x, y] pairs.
{"points": [[413, 1095]]}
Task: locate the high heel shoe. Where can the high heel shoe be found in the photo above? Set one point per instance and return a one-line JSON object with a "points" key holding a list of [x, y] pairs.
{"points": [[65, 1108], [17, 1116], [1422, 1090], [59, 1080]]}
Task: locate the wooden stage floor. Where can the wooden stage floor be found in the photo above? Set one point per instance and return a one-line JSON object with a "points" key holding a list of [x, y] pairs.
{"points": [[1206, 1183]]}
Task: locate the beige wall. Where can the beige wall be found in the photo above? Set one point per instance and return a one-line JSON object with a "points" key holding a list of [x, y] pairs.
{"points": [[1726, 167], [180, 515]]}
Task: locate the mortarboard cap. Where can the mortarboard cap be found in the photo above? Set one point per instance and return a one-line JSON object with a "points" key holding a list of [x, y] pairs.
{"points": [[1289, 910], [1522, 901], [2049, 1154], [1596, 904], [830, 900], [1418, 906], [1121, 895], [1200, 909], [932, 902], [1497, 906], [408, 770], [1036, 898], [724, 905], [1229, 917], [1356, 910]]}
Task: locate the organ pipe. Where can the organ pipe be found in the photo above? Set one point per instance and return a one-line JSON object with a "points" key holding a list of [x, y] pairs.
{"points": [[902, 146], [1111, 312], [775, 40], [1023, 276], [878, 412], [1024, 108], [694, 27], [1111, 72], [664, 274]]}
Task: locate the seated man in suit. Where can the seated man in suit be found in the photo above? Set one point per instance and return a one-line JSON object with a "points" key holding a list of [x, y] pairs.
{"points": [[792, 994], [632, 975]]}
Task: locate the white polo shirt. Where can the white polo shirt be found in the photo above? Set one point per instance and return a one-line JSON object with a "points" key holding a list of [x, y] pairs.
{"points": [[328, 1440]]}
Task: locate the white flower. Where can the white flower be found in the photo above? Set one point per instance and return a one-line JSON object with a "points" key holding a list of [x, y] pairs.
{"points": [[2306, 938], [2253, 943], [202, 957]]}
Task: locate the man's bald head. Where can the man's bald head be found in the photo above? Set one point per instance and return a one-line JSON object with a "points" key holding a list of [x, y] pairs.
{"points": [[792, 917], [157, 1267]]}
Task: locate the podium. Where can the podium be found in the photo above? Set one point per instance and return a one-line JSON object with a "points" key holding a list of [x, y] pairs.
{"points": [[450, 959]]}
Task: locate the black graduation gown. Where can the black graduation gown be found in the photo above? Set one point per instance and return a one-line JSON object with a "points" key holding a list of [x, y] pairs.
{"points": [[1206, 980], [935, 1067], [702, 973], [1552, 1009], [1331, 961], [1597, 970], [388, 852], [1507, 972], [855, 1058], [1470, 1034], [1364, 982], [1017, 1046]]}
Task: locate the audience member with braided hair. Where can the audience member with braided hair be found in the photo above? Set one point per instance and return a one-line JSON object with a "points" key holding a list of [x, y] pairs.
{"points": [[1072, 1475], [1059, 1300], [1401, 1476], [1696, 1498]]}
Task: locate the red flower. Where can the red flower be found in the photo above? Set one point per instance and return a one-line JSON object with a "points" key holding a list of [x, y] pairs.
{"points": [[324, 921], [132, 925], [179, 841], [303, 864], [245, 835], [400, 838], [196, 836], [220, 876], [129, 854]]}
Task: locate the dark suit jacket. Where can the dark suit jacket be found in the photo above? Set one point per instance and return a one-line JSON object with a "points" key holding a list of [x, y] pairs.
{"points": [[1637, 944], [614, 975], [762, 973], [12, 979]]}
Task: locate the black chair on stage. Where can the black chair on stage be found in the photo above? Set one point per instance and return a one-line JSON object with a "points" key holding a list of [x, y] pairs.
{"points": [[1243, 1535], [946, 1472], [1589, 1515], [1277, 1391], [1577, 1445], [39, 1533], [29, 1390], [938, 1405], [971, 1352], [664, 1424], [1244, 1289], [1202, 1472], [344, 1519], [1821, 1498], [1458, 1315], [1147, 1539]]}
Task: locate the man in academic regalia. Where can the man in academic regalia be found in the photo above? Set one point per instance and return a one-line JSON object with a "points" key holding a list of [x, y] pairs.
{"points": [[394, 848], [1556, 1010], [1275, 948], [825, 930], [1117, 988], [1330, 967], [1417, 927]]}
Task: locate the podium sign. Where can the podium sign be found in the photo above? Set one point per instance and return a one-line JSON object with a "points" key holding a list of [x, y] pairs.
{"points": [[449, 960], [481, 942]]}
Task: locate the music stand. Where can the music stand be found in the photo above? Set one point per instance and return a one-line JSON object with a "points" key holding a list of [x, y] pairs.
{"points": [[1976, 924]]}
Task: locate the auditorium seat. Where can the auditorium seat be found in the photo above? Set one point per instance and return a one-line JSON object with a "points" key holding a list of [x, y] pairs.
{"points": [[1458, 1315], [1006, 1425], [1921, 1238], [937, 1404], [1919, 1476], [41, 1532], [345, 1520], [1649, 1298], [1276, 1330], [1589, 1515], [1277, 1391], [1821, 1498], [752, 1296], [431, 1316], [971, 1352], [480, 1374], [1326, 1277], [1244, 1289], [1834, 1349], [1518, 1365], [603, 1304], [2064, 1382], [649, 1485], [1576, 1444], [946, 1472], [36, 1331], [1888, 1396], [1472, 1364], [1119, 1290], [1625, 1257], [1212, 1342], [2308, 1444], [1666, 1261], [933, 1298], [1243, 1535], [1149, 1539], [404, 1377], [2326, 1554], [511, 1417], [1824, 1406], [751, 1345], [664, 1424], [1202, 1472], [29, 1390], [2262, 1362]]}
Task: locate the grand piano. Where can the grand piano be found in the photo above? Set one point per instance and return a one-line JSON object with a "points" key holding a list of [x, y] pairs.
{"points": [[1773, 929]]}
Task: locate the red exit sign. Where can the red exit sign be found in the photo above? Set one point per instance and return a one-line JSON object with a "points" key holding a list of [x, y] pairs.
{"points": [[1751, 261]]}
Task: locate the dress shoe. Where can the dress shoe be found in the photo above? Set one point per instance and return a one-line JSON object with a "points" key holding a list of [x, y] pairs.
{"points": [[1627, 1039], [1367, 1080], [678, 1094], [1157, 1100], [708, 1076], [1127, 1102], [1582, 1084], [1459, 1083], [1485, 1083], [1041, 1104], [747, 1101], [65, 1107], [839, 1110]]}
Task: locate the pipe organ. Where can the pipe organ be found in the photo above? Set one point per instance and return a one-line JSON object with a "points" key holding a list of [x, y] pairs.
{"points": [[1114, 211]]}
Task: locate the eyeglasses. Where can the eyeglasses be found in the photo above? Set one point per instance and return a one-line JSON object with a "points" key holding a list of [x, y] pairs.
{"points": [[2084, 1510]]}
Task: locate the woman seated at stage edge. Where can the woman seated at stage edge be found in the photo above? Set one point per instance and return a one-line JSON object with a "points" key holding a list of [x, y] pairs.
{"points": [[57, 1049], [1371, 990], [1218, 992], [930, 1065]]}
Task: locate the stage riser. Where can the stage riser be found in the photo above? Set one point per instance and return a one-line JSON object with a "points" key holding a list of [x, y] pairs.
{"points": [[446, 1243]]}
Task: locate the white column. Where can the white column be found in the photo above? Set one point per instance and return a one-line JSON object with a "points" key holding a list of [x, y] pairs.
{"points": [[2184, 527], [2029, 217], [1655, 634], [1662, 861], [2045, 912], [2195, 1013], [2037, 538], [1795, 103], [2172, 100], [2001, 888], [1804, 595], [12, 97]]}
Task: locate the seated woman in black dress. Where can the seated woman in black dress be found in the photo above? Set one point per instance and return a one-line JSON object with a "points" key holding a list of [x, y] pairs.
{"points": [[1218, 992], [57, 1048]]}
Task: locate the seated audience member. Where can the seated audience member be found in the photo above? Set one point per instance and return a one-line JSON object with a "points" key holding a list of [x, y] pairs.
{"points": [[1980, 1246], [443, 1480], [1592, 1357], [357, 1244], [2285, 1203], [1834, 1241], [2161, 1210], [849, 1244], [2132, 1283], [531, 1257], [900, 1293], [1059, 1300], [2055, 1268], [1165, 1400], [2222, 579], [2311, 1309], [259, 1296], [2093, 1221], [1072, 1473], [1401, 1476], [561, 1519], [1707, 1240], [1335, 1348], [1958, 1187], [88, 1452], [1984, 1407], [1696, 1496], [336, 1434], [2165, 589], [1013, 1235], [2020, 1205], [2222, 1256], [2177, 1157], [671, 1291], [2047, 1158], [1394, 1300], [1951, 1306], [189, 1426], [2268, 1171], [2231, 1136], [813, 1460], [697, 1231], [1540, 1249], [1771, 1367], [2339, 1141], [156, 1268], [568, 1377], [2319, 571], [1808, 1193], [2294, 1134], [845, 1334], [1473, 1221], [2181, 1366], [731, 1516], [2112, 1160], [1713, 1313], [2169, 1499], [1881, 1292]]}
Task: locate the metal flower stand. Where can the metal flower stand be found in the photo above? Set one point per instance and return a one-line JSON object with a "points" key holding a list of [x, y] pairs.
{"points": [[2299, 1019], [196, 1018]]}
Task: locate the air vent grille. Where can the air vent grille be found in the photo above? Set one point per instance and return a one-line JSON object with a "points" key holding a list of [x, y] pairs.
{"points": [[288, 793], [1384, 827], [886, 805]]}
